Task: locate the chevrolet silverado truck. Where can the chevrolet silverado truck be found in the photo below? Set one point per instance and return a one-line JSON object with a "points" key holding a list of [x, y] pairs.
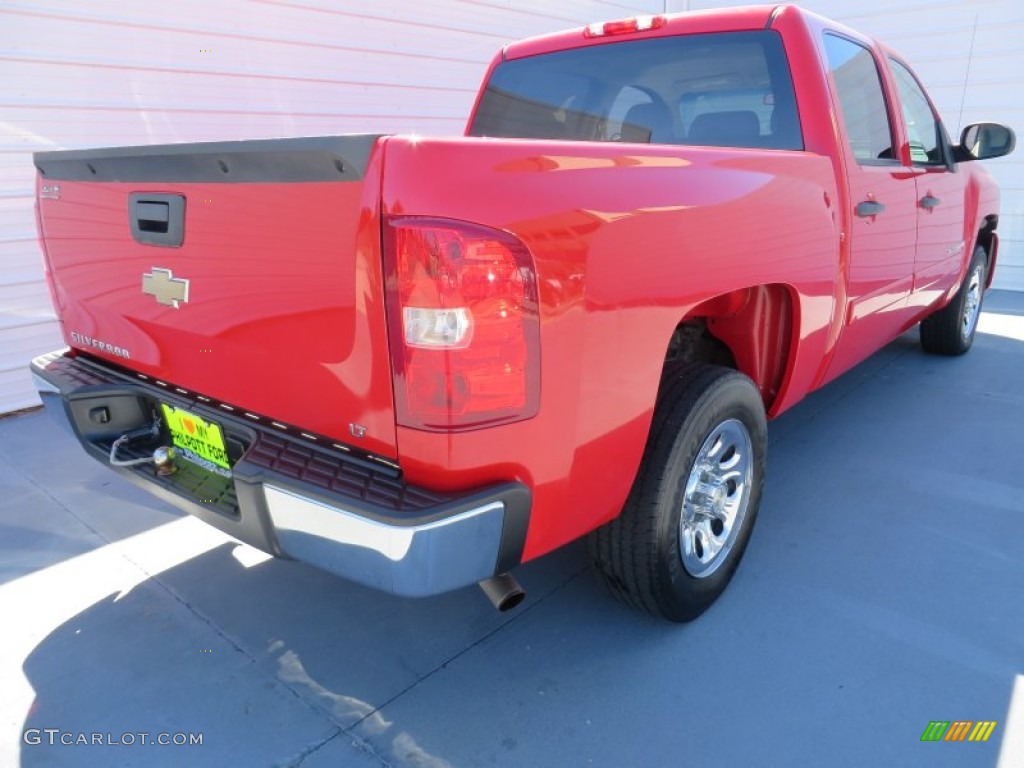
{"points": [[419, 362]]}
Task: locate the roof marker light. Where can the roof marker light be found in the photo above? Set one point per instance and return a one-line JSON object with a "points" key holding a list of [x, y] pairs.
{"points": [[625, 26]]}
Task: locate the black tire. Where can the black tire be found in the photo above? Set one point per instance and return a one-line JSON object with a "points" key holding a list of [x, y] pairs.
{"points": [[641, 555], [950, 330]]}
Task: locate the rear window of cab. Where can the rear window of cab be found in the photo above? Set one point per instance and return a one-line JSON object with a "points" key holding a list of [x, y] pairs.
{"points": [[729, 89]]}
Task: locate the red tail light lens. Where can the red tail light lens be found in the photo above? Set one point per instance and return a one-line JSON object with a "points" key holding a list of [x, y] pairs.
{"points": [[462, 313]]}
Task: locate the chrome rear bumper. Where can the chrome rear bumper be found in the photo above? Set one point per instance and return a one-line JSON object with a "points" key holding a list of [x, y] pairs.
{"points": [[412, 560], [326, 508]]}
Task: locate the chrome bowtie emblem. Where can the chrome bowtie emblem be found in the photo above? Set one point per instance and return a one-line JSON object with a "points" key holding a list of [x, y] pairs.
{"points": [[165, 287]]}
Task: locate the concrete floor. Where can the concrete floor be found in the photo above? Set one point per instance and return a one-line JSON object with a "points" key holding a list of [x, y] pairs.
{"points": [[881, 590]]}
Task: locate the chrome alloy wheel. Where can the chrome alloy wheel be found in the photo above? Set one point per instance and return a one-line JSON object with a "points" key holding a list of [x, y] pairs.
{"points": [[716, 497], [972, 304]]}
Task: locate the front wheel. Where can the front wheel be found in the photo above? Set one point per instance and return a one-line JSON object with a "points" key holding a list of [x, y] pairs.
{"points": [[689, 515], [950, 330]]}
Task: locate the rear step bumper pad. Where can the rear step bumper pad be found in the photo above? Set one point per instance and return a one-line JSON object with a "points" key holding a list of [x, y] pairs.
{"points": [[337, 512]]}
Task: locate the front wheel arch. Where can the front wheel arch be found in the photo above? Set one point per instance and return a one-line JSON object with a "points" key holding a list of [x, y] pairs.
{"points": [[950, 330]]}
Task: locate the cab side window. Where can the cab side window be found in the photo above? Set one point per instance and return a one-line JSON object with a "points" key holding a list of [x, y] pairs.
{"points": [[924, 130], [862, 104]]}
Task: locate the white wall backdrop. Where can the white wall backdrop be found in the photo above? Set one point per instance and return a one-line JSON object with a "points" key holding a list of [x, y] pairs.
{"points": [[87, 73]]}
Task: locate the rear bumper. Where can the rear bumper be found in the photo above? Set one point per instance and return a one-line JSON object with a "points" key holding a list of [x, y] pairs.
{"points": [[294, 497]]}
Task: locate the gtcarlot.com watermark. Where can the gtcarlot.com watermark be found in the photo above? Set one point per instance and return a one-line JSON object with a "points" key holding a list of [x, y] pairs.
{"points": [[55, 736]]}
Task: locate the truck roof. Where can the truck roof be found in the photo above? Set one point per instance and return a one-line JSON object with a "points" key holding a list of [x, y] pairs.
{"points": [[689, 22]]}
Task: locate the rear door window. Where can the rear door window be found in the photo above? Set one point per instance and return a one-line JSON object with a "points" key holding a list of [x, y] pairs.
{"points": [[862, 103]]}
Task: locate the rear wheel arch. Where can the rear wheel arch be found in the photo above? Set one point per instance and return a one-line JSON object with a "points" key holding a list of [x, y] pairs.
{"points": [[750, 329]]}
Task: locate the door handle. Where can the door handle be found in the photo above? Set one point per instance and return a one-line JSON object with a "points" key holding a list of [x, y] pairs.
{"points": [[929, 201], [868, 208]]}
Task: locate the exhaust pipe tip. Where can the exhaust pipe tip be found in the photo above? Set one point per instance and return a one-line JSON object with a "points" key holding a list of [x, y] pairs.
{"points": [[503, 591]]}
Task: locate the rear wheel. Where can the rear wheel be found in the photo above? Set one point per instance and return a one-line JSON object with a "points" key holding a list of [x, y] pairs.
{"points": [[950, 330], [689, 515]]}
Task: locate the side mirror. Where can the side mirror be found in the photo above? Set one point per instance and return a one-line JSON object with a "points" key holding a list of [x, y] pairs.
{"points": [[981, 141]]}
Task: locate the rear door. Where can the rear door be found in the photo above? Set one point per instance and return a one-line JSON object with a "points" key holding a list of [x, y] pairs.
{"points": [[882, 222]]}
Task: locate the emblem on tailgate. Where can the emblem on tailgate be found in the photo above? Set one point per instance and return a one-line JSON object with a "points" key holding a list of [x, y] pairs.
{"points": [[165, 287], [104, 346]]}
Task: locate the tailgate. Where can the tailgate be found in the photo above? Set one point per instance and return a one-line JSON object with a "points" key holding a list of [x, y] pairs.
{"points": [[245, 271]]}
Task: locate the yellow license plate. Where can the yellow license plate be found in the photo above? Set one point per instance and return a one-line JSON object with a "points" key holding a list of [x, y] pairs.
{"points": [[195, 436]]}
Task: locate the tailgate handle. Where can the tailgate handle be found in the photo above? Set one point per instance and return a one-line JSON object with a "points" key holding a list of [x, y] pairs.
{"points": [[157, 219], [153, 217]]}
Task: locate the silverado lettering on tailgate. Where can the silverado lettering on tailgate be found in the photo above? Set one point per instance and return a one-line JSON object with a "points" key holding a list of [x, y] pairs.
{"points": [[104, 346]]}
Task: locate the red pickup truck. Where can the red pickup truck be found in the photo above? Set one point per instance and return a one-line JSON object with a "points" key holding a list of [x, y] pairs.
{"points": [[420, 362]]}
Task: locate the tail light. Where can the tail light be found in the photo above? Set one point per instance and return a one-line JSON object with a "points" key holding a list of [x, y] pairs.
{"points": [[462, 311], [47, 269]]}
